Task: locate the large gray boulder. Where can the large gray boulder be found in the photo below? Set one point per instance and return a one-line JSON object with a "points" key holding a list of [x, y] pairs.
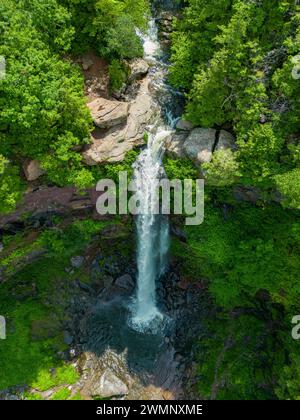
{"points": [[107, 113], [109, 385], [174, 145], [199, 144]]}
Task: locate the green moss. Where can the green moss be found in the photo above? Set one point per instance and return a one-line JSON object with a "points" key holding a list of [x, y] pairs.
{"points": [[32, 396], [62, 375], [61, 394], [77, 397], [20, 358]]}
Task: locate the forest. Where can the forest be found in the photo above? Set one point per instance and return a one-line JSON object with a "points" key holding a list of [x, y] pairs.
{"points": [[236, 63]]}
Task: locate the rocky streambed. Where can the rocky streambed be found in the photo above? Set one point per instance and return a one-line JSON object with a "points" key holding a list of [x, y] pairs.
{"points": [[116, 361]]}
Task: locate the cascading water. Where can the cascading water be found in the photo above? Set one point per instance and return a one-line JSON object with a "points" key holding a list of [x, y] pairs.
{"points": [[152, 234], [152, 229]]}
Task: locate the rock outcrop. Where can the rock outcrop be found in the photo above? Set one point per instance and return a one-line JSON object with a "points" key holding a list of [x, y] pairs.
{"points": [[112, 145], [107, 114], [138, 69], [109, 385], [32, 170], [198, 144], [165, 25], [125, 282]]}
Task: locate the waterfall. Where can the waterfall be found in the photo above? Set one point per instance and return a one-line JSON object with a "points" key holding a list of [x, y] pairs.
{"points": [[152, 229], [152, 233]]}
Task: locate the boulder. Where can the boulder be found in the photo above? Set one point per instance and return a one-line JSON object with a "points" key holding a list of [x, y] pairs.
{"points": [[125, 282], [226, 141], [199, 144], [138, 69], [113, 144], [107, 113], [109, 385], [184, 125], [174, 145], [32, 170]]}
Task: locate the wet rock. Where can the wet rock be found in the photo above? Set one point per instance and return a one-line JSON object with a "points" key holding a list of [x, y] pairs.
{"points": [[73, 353], [138, 69], [125, 282], [112, 268], [77, 261], [113, 293], [84, 287], [109, 385], [46, 394], [248, 194], [32, 170], [199, 144], [184, 125]]}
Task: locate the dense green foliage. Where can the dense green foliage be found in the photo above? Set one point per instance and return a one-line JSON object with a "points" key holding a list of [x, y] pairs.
{"points": [[43, 114], [248, 257], [108, 26], [42, 109], [236, 60], [238, 63], [31, 302]]}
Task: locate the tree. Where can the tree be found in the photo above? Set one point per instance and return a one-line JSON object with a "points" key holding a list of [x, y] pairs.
{"points": [[10, 186], [223, 170]]}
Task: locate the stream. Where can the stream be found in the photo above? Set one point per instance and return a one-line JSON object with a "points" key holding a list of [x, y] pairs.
{"points": [[152, 229]]}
